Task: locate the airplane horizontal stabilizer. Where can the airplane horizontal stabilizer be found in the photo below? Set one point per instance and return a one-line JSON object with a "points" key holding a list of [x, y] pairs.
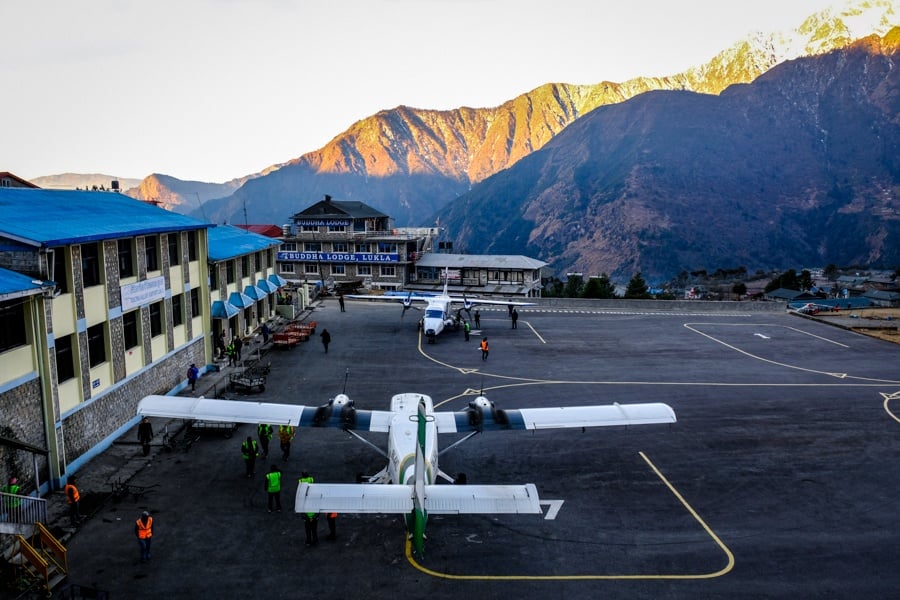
{"points": [[397, 499]]}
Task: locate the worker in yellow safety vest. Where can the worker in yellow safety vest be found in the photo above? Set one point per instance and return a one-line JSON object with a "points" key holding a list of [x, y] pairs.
{"points": [[310, 519]]}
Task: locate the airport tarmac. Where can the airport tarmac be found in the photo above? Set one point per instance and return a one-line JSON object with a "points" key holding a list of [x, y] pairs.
{"points": [[779, 479]]}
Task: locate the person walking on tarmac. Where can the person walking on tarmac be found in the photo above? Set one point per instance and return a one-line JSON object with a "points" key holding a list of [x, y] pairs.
{"points": [[264, 432], [285, 437], [73, 498], [466, 330], [310, 519], [341, 301], [477, 319], [332, 526], [326, 339], [249, 450], [484, 348], [273, 488], [143, 530], [515, 318], [145, 435]]}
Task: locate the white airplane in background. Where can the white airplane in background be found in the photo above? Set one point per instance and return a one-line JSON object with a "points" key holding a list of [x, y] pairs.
{"points": [[408, 481], [439, 312]]}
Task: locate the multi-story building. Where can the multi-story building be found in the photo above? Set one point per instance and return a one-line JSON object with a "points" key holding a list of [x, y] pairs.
{"points": [[123, 307], [350, 244], [482, 275], [242, 280]]}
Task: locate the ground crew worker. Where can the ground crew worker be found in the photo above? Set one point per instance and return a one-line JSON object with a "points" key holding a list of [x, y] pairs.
{"points": [[264, 432], [11, 505], [466, 330], [143, 529], [285, 435], [73, 498], [249, 450], [332, 525], [515, 318], [273, 488], [310, 519], [484, 348], [477, 319], [231, 354]]}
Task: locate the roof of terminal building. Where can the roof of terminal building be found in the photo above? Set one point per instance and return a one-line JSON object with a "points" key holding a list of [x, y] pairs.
{"points": [[339, 209], [51, 218], [16, 285], [227, 242], [485, 261]]}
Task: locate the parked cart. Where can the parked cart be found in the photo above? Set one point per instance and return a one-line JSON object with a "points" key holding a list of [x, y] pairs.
{"points": [[246, 380]]}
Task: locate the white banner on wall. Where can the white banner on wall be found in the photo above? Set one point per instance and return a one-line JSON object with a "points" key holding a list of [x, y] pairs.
{"points": [[143, 292]]}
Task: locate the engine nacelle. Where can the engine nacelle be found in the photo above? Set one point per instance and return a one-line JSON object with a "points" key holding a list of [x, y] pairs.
{"points": [[339, 408], [482, 411]]}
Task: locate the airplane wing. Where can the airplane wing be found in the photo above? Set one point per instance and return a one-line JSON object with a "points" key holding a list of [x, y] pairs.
{"points": [[439, 499], [409, 298], [471, 302], [483, 416], [236, 411]]}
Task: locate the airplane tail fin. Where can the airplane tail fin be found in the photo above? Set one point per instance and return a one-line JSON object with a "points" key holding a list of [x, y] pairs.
{"points": [[446, 281], [418, 516]]}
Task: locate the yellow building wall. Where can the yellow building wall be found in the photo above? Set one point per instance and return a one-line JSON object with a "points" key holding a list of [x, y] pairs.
{"points": [[64, 315], [69, 394], [134, 360], [17, 362], [95, 309]]}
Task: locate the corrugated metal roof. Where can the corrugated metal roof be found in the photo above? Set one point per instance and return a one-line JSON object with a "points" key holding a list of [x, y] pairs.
{"points": [[484, 261], [62, 217], [16, 285], [339, 209], [227, 242]]}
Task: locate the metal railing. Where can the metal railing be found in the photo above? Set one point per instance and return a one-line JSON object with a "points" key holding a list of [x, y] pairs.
{"points": [[22, 510]]}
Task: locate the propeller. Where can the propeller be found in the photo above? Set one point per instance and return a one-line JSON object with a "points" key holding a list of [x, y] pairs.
{"points": [[407, 304]]}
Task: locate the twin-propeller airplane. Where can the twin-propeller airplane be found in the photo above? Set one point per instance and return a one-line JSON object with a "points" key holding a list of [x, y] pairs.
{"points": [[439, 312], [408, 481]]}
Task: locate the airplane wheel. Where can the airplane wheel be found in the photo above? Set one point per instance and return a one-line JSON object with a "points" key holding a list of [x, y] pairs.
{"points": [[460, 479]]}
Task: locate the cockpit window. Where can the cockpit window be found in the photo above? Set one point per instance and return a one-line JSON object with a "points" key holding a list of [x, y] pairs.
{"points": [[433, 313]]}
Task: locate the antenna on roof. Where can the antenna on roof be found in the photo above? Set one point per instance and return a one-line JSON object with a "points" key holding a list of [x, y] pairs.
{"points": [[246, 224]]}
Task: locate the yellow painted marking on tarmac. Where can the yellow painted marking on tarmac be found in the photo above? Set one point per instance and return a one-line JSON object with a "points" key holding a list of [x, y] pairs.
{"points": [[777, 363], [887, 401], [729, 564]]}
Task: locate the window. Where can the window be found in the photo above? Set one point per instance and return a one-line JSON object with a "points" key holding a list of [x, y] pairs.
{"points": [[177, 310], [309, 228], [287, 267], [130, 324], [229, 271], [61, 270], [126, 258], [174, 252], [340, 247], [387, 248], [312, 247], [310, 269], [90, 264], [289, 247], [12, 325], [364, 270], [338, 269], [363, 248], [65, 361], [388, 271], [96, 345], [195, 303], [257, 261], [151, 251], [337, 228], [245, 265], [192, 245], [155, 319], [214, 276]]}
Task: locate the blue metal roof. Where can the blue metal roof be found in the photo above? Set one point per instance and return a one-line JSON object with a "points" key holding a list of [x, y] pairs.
{"points": [[16, 285], [227, 242], [62, 217]]}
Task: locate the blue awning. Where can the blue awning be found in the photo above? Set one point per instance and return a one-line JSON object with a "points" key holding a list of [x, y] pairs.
{"points": [[223, 310], [277, 280], [240, 300], [267, 286], [254, 292]]}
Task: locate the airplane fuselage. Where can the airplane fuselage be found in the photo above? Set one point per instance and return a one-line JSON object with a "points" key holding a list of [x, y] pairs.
{"points": [[437, 317], [402, 439]]}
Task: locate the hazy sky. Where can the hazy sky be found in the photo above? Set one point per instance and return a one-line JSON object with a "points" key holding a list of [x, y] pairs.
{"points": [[211, 90]]}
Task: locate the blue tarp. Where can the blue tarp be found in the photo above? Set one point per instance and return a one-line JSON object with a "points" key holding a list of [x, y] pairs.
{"points": [[223, 310], [254, 292], [267, 286], [240, 300]]}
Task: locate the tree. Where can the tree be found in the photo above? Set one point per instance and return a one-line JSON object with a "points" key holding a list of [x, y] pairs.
{"points": [[574, 286], [599, 287], [806, 281], [739, 289], [637, 288]]}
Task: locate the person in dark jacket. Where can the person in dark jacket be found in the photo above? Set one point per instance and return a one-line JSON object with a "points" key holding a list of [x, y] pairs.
{"points": [[326, 339], [145, 434]]}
